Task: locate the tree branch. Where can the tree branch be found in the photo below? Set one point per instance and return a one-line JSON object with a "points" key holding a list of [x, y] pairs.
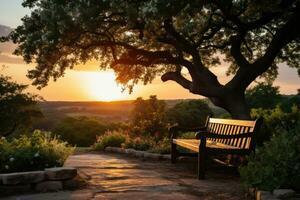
{"points": [[178, 78], [287, 33]]}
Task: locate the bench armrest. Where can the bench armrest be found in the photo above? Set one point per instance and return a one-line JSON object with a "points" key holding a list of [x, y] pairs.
{"points": [[175, 129]]}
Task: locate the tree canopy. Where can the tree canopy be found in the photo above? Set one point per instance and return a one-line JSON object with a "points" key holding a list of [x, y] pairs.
{"points": [[179, 40], [191, 113], [17, 108], [148, 117], [263, 95]]}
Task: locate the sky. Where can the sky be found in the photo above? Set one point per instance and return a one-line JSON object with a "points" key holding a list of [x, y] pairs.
{"points": [[88, 83]]}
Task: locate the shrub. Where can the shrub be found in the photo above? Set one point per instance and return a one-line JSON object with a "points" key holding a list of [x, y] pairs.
{"points": [[274, 120], [35, 152], [276, 164], [80, 131], [142, 144], [192, 113], [148, 118], [109, 139], [162, 147]]}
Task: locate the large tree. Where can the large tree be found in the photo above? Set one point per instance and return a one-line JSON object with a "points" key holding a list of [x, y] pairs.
{"points": [[179, 40]]}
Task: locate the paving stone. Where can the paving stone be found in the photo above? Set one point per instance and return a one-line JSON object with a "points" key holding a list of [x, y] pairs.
{"points": [[60, 173], [49, 186], [71, 184], [284, 193], [22, 177], [6, 190]]}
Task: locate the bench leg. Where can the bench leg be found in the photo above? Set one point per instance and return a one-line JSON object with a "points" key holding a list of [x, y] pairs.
{"points": [[201, 159], [174, 153]]}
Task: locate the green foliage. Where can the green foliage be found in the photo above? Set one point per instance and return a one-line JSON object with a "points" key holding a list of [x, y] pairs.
{"points": [[191, 113], [17, 108], [276, 164], [263, 95], [80, 131], [289, 102], [162, 147], [274, 120], [35, 152], [60, 34], [148, 118], [138, 143], [109, 139]]}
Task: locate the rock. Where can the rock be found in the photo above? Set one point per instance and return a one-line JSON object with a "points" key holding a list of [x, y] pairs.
{"points": [[284, 193], [108, 149], [120, 150], [116, 149], [264, 195], [6, 190], [71, 184], [139, 154], [22, 177], [166, 157], [130, 151], [49, 186], [154, 156], [60, 173]]}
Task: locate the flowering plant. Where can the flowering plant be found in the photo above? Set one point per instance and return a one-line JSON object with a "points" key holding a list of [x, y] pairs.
{"points": [[35, 152]]}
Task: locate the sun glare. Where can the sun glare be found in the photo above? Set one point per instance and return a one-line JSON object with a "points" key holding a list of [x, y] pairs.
{"points": [[101, 86]]}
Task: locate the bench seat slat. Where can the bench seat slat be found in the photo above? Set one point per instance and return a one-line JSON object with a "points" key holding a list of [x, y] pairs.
{"points": [[193, 144]]}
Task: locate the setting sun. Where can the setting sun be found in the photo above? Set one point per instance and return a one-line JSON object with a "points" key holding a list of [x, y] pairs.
{"points": [[101, 86]]}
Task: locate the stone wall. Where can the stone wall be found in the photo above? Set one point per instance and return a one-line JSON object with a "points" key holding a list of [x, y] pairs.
{"points": [[138, 154], [49, 180]]}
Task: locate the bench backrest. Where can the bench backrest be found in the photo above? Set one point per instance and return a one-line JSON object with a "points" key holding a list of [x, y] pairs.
{"points": [[234, 127]]}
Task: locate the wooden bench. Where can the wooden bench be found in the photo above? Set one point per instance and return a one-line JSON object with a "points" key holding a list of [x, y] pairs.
{"points": [[221, 136]]}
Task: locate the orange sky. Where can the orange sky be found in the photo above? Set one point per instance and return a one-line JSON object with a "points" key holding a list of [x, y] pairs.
{"points": [[87, 83]]}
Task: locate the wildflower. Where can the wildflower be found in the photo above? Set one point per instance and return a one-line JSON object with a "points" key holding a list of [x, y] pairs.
{"points": [[36, 154], [11, 159]]}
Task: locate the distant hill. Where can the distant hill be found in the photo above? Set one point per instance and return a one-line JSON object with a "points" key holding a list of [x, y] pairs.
{"points": [[115, 111], [5, 30], [7, 48]]}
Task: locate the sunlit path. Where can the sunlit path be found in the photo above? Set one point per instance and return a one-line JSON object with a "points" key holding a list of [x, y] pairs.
{"points": [[113, 176]]}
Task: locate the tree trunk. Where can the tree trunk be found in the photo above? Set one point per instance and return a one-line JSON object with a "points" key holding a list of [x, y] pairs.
{"points": [[235, 104]]}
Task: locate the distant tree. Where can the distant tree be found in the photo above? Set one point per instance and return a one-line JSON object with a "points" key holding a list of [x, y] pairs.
{"points": [[263, 95], [191, 113], [140, 40], [288, 102], [17, 108], [80, 131], [148, 117]]}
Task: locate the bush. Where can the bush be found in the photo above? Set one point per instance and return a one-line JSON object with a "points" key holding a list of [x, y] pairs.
{"points": [[162, 147], [109, 139], [35, 152], [80, 131], [276, 164], [141, 144], [148, 118], [274, 120], [192, 113]]}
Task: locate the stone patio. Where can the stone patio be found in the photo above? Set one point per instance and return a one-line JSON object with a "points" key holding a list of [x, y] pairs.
{"points": [[116, 176]]}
